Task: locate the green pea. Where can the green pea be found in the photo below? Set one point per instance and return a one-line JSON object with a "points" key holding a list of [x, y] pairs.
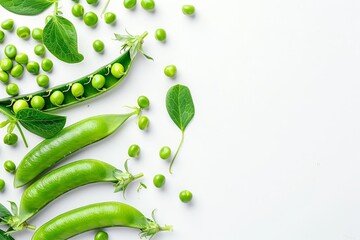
{"points": [[110, 17], [23, 32], [43, 80], [160, 34], [129, 4], [188, 9], [101, 236], [117, 70], [148, 4], [2, 36], [22, 58], [6, 64], [9, 166], [134, 151], [37, 102], [33, 67], [37, 34], [185, 196], [92, 2], [48, 18], [77, 10], [77, 90], [10, 51], [47, 65], [39, 49], [165, 152], [159, 180], [143, 122], [12, 89], [10, 139], [17, 71], [4, 76], [98, 81], [170, 71], [20, 105], [90, 19], [143, 102], [98, 46], [8, 24], [2, 185], [57, 98]]}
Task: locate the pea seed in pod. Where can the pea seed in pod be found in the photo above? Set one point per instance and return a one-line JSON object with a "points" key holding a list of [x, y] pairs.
{"points": [[43, 80], [4, 76], [17, 71], [98, 46], [37, 102], [47, 65], [188, 9], [39, 50], [148, 4], [2, 36], [98, 81], [12, 89], [33, 67], [101, 236], [77, 10], [8, 24], [10, 51], [10, 139], [117, 70], [23, 32], [57, 98], [77, 90], [22, 58], [110, 17], [19, 105], [6, 64], [90, 19], [37, 34], [129, 4], [2, 185]]}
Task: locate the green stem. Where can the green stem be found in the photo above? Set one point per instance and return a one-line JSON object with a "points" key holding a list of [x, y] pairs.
{"points": [[106, 6], [22, 134], [56, 8], [177, 151], [137, 176], [166, 228]]}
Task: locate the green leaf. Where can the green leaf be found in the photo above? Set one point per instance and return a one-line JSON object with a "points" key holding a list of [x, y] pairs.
{"points": [[4, 236], [4, 212], [26, 7], [40, 123], [60, 38], [180, 106]]}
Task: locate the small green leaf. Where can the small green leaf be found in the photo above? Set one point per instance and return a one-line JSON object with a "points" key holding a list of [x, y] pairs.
{"points": [[5, 236], [4, 212], [14, 208], [40, 123], [60, 38], [26, 7]]}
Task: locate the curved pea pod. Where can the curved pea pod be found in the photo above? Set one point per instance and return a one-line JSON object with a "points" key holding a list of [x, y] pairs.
{"points": [[99, 215], [72, 138]]}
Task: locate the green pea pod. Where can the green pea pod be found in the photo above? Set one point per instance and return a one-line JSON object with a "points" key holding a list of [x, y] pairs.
{"points": [[64, 179], [72, 138], [99, 215]]}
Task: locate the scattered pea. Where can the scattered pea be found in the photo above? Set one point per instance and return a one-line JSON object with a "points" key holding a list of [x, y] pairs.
{"points": [[39, 49], [10, 51], [117, 70], [9, 166], [10, 139], [148, 4], [77, 10], [2, 36], [8, 24], [33, 67], [170, 71], [77, 90], [48, 18], [47, 65], [134, 151], [6, 64], [165, 152], [57, 98], [143, 122], [23, 32], [22, 58], [110, 17], [185, 196], [43, 80], [98, 46], [12, 89], [188, 9], [90, 19], [159, 180], [98, 81], [92, 2], [101, 236], [37, 102], [160, 34], [129, 4], [17, 71], [2, 184], [4, 76], [19, 105], [37, 34], [143, 102]]}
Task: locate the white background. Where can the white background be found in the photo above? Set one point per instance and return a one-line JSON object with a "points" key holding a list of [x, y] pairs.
{"points": [[272, 152]]}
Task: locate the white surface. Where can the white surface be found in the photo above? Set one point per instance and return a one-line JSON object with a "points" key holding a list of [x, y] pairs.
{"points": [[272, 152]]}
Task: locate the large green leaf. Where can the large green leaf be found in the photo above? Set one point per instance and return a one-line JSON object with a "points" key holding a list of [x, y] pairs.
{"points": [[4, 236], [26, 7]]}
